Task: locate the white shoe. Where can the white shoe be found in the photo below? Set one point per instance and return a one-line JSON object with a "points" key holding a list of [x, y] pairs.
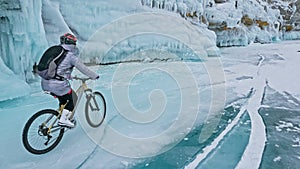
{"points": [[72, 120], [64, 120]]}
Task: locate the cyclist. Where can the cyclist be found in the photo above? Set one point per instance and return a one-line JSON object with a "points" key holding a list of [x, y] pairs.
{"points": [[62, 88]]}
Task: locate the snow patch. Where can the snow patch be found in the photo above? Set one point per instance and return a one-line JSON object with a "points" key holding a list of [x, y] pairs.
{"points": [[278, 158]]}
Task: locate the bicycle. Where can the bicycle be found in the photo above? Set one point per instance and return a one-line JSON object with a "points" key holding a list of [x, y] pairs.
{"points": [[42, 133]]}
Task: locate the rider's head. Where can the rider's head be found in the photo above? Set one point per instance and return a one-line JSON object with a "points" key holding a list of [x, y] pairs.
{"points": [[68, 38]]}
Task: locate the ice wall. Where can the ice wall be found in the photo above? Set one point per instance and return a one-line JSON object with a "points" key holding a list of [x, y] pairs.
{"points": [[93, 16], [151, 37], [238, 22], [22, 40], [53, 21], [22, 35], [28, 27]]}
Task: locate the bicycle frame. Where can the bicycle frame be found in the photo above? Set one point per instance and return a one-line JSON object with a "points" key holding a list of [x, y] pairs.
{"points": [[83, 88], [60, 112]]}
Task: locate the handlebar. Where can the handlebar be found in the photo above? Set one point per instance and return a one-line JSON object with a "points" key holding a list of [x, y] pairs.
{"points": [[83, 79]]}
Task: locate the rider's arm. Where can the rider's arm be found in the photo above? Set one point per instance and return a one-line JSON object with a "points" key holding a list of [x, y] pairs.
{"points": [[85, 70], [75, 61]]}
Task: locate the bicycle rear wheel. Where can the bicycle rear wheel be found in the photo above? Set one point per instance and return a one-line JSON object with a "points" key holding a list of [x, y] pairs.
{"points": [[95, 109], [36, 136]]}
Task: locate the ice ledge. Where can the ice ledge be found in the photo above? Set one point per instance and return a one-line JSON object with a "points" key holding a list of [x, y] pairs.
{"points": [[199, 40]]}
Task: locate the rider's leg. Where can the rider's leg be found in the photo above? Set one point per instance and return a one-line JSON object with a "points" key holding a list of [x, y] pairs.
{"points": [[71, 97], [64, 120], [75, 98]]}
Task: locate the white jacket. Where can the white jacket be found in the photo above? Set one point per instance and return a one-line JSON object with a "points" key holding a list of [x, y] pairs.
{"points": [[65, 69]]}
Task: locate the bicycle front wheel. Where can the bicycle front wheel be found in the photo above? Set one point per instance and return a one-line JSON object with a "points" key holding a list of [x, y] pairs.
{"points": [[95, 109], [41, 133]]}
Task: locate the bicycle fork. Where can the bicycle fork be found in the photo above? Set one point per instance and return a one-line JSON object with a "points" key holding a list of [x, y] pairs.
{"points": [[95, 103]]}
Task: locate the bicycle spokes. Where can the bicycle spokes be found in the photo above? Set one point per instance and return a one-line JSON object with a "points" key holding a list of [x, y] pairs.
{"points": [[41, 132], [45, 131]]}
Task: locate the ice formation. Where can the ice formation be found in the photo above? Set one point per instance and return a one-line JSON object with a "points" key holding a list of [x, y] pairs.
{"points": [[22, 39], [239, 22], [22, 35], [29, 27]]}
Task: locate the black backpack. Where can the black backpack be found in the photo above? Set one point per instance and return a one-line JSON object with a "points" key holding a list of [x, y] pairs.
{"points": [[49, 62]]}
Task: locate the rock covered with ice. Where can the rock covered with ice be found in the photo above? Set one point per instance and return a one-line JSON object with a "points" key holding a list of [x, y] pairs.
{"points": [[240, 22]]}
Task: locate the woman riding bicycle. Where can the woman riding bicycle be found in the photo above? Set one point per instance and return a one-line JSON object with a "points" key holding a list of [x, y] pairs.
{"points": [[62, 88]]}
